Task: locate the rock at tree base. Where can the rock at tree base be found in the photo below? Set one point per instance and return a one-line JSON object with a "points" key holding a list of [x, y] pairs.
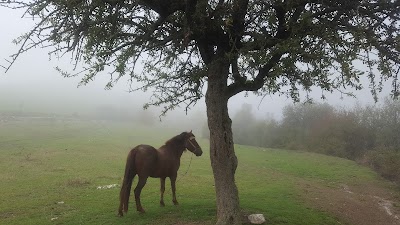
{"points": [[256, 218]]}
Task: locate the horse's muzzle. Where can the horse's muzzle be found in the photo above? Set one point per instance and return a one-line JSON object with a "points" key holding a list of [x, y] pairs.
{"points": [[198, 152]]}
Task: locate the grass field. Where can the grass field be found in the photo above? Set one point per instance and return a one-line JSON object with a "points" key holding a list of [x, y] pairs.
{"points": [[50, 171]]}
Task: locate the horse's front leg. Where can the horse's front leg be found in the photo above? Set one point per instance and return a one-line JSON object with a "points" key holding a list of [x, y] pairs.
{"points": [[173, 187], [162, 190]]}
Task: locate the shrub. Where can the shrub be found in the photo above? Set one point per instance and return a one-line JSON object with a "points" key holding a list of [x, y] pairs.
{"points": [[386, 163]]}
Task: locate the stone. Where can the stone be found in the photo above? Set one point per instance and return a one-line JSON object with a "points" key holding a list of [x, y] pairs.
{"points": [[256, 218]]}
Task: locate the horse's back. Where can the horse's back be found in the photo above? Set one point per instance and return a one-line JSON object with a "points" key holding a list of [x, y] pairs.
{"points": [[146, 158]]}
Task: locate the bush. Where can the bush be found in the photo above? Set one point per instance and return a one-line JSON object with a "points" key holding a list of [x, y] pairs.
{"points": [[386, 163]]}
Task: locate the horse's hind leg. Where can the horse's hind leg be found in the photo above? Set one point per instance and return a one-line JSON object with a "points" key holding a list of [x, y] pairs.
{"points": [[162, 190], [142, 181]]}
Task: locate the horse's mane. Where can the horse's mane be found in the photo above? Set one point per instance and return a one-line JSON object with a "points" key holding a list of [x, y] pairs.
{"points": [[178, 139]]}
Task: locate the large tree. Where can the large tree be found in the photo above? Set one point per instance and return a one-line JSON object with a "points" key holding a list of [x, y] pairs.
{"points": [[229, 46]]}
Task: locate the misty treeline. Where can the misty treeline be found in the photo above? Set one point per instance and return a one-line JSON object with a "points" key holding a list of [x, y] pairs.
{"points": [[367, 134]]}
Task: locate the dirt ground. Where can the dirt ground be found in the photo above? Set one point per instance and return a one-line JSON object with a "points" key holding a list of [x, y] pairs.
{"points": [[355, 205]]}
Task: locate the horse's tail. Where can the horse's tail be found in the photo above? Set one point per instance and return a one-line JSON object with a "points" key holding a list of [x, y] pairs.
{"points": [[127, 183]]}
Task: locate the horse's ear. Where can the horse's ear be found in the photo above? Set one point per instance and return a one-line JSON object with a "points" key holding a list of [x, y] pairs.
{"points": [[190, 131]]}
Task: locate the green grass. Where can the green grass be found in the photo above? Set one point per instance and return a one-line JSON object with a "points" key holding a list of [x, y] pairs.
{"points": [[267, 180], [45, 163]]}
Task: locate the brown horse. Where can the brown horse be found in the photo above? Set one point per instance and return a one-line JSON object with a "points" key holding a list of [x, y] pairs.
{"points": [[146, 161]]}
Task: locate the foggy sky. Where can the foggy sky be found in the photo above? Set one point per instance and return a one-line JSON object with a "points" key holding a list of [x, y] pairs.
{"points": [[33, 82]]}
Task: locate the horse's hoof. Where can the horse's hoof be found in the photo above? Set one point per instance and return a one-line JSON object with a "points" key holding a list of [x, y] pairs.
{"points": [[176, 202], [162, 204], [141, 211]]}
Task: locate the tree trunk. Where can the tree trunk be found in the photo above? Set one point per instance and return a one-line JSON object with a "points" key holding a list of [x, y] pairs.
{"points": [[222, 154]]}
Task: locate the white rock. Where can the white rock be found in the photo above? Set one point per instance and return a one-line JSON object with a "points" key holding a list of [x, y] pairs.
{"points": [[107, 186], [256, 218]]}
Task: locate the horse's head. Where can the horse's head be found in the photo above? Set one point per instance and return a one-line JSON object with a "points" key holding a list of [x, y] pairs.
{"points": [[192, 145]]}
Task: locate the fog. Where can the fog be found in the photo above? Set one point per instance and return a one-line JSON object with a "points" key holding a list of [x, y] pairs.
{"points": [[33, 85]]}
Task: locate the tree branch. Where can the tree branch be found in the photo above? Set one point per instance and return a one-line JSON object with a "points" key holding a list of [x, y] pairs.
{"points": [[238, 22], [258, 81], [164, 7]]}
